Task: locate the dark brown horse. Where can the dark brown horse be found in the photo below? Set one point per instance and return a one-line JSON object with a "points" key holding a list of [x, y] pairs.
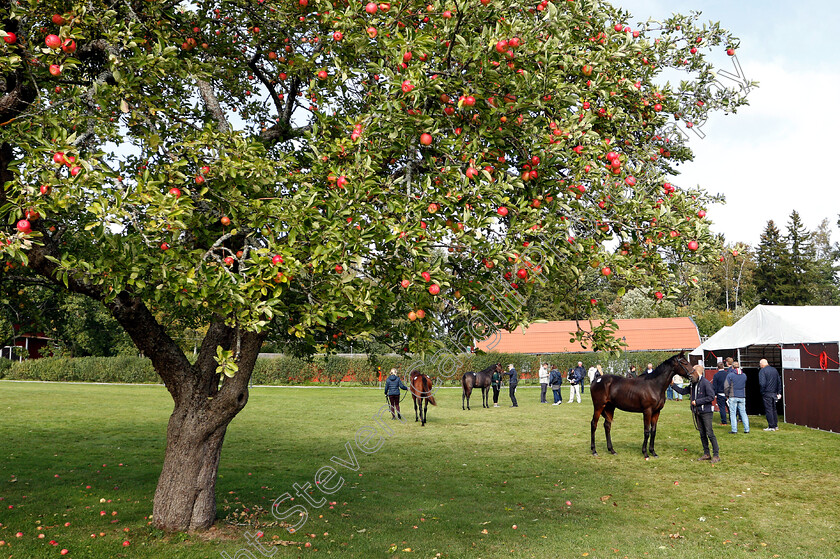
{"points": [[480, 380], [421, 390], [644, 394]]}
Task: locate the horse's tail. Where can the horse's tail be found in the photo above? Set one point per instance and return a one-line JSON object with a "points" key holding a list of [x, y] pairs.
{"points": [[432, 400]]}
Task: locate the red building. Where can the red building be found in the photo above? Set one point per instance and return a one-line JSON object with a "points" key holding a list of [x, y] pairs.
{"points": [[641, 334], [32, 343]]}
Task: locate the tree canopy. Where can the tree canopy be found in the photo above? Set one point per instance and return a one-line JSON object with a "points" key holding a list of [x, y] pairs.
{"points": [[319, 168]]}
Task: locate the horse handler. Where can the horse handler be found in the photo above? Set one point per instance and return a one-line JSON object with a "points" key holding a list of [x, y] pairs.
{"points": [[393, 385], [702, 397], [496, 383]]}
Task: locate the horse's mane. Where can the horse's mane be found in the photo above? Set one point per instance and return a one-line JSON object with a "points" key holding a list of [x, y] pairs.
{"points": [[663, 368], [489, 369]]}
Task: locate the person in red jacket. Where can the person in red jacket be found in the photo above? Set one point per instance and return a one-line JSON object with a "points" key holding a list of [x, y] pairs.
{"points": [[702, 397]]}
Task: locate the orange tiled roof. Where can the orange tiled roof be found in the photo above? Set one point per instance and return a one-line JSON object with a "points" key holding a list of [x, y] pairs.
{"points": [[641, 334]]}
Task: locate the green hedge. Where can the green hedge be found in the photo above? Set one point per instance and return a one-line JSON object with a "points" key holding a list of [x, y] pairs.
{"points": [[331, 370], [85, 369]]}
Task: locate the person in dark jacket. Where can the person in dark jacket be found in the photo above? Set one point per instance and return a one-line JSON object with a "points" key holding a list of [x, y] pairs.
{"points": [[496, 383], [717, 385], [511, 372], [736, 389], [575, 377], [555, 379], [771, 392], [702, 396], [393, 385]]}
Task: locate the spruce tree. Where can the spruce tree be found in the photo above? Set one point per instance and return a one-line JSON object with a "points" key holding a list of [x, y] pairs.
{"points": [[769, 255], [797, 272]]}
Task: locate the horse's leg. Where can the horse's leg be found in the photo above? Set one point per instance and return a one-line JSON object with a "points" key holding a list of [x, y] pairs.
{"points": [[463, 395], [413, 397], [646, 414], [596, 415], [425, 413], [469, 393], [608, 419], [485, 396], [654, 420]]}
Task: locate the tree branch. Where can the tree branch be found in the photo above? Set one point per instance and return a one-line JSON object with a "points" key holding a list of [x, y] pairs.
{"points": [[213, 105]]}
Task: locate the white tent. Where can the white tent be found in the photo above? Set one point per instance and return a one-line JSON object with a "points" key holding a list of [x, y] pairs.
{"points": [[772, 325], [710, 343]]}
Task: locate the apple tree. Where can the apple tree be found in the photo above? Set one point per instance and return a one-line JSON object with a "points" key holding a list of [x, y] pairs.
{"points": [[315, 169]]}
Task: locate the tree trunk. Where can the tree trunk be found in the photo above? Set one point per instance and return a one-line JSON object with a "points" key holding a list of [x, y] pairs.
{"points": [[185, 498]]}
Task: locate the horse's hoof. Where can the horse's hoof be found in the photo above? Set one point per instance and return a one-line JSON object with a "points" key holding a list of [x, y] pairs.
{"points": [[594, 453], [654, 455], [613, 452]]}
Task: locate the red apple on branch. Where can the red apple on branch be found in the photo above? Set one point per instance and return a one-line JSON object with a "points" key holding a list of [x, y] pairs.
{"points": [[53, 41]]}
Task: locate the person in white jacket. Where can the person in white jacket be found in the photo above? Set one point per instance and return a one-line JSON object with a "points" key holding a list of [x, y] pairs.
{"points": [[543, 382]]}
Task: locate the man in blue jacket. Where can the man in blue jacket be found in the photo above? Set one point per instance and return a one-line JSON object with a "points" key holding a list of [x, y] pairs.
{"points": [[771, 392], [702, 397], [393, 385], [736, 389], [555, 379], [717, 385]]}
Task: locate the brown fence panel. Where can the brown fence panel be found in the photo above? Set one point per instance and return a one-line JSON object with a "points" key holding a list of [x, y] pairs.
{"points": [[811, 398]]}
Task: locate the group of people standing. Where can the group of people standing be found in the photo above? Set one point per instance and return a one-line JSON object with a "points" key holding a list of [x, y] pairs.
{"points": [[550, 377], [728, 388], [730, 383]]}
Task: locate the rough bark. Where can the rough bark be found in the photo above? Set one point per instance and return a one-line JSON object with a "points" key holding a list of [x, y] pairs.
{"points": [[185, 495]]}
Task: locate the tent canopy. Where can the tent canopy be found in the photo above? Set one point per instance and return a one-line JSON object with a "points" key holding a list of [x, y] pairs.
{"points": [[772, 325]]}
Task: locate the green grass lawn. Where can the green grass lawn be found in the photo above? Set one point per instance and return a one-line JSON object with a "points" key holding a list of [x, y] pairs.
{"points": [[80, 461]]}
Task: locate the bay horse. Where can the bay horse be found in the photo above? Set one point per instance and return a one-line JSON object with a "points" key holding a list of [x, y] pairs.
{"points": [[644, 394], [482, 380], [421, 390]]}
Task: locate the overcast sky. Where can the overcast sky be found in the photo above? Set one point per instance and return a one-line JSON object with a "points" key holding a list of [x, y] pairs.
{"points": [[780, 153]]}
